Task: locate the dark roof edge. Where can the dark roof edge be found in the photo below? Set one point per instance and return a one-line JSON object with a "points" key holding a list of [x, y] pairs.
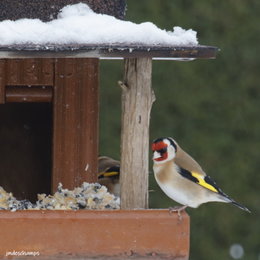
{"points": [[47, 10]]}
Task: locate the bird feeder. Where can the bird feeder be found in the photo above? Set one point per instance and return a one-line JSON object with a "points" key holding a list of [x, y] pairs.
{"points": [[64, 79]]}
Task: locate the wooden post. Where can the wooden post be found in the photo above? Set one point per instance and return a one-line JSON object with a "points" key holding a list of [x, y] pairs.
{"points": [[137, 100], [75, 122]]}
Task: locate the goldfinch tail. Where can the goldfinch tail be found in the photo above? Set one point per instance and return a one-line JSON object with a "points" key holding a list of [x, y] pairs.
{"points": [[240, 206], [227, 199]]}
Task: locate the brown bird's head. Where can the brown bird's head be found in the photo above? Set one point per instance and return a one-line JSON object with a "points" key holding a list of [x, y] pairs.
{"points": [[164, 149]]}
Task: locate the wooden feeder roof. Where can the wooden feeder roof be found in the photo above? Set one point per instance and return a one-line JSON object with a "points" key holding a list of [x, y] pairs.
{"points": [[108, 51], [47, 10]]}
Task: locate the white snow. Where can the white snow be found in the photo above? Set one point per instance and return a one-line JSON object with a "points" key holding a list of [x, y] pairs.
{"points": [[78, 24]]}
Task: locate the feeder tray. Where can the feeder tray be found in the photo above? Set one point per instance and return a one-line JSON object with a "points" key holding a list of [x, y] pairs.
{"points": [[117, 234]]}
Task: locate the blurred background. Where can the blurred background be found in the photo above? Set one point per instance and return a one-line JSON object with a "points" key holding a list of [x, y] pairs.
{"points": [[212, 108]]}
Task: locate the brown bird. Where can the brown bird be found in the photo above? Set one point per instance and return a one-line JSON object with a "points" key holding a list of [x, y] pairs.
{"points": [[108, 174]]}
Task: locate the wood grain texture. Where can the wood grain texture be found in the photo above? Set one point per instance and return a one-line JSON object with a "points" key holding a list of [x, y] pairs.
{"points": [[25, 94], [37, 72], [137, 99], [75, 125]]}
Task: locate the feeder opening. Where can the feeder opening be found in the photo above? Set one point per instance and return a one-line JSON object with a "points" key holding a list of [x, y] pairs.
{"points": [[25, 149]]}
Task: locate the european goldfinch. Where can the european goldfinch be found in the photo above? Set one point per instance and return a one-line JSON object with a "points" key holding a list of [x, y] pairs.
{"points": [[181, 177], [108, 174]]}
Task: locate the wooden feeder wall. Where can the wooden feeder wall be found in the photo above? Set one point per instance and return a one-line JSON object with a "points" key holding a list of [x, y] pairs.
{"points": [[71, 86]]}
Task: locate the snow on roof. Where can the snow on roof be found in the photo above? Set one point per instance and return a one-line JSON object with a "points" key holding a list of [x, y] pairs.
{"points": [[78, 24]]}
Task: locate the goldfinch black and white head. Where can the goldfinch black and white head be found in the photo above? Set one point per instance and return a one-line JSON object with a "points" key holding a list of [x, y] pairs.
{"points": [[164, 149], [182, 178]]}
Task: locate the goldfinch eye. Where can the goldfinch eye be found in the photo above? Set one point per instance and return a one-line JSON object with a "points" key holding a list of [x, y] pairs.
{"points": [[163, 150]]}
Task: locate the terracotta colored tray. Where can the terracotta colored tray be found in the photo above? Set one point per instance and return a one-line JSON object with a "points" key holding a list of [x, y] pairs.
{"points": [[118, 234]]}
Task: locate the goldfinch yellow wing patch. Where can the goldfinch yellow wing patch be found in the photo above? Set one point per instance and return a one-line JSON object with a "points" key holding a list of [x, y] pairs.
{"points": [[202, 180], [110, 172]]}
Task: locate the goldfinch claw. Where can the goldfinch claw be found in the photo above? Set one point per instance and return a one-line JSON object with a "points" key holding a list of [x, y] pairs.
{"points": [[177, 209]]}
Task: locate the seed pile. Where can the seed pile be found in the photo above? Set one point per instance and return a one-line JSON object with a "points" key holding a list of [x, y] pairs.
{"points": [[9, 202], [87, 196]]}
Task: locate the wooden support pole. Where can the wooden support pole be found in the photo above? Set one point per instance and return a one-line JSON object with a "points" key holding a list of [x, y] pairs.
{"points": [[75, 122], [137, 100]]}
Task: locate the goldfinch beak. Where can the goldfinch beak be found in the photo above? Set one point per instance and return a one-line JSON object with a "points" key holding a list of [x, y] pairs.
{"points": [[156, 155]]}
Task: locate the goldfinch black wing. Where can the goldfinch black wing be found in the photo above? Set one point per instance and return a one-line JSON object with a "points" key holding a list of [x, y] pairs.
{"points": [[203, 180]]}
